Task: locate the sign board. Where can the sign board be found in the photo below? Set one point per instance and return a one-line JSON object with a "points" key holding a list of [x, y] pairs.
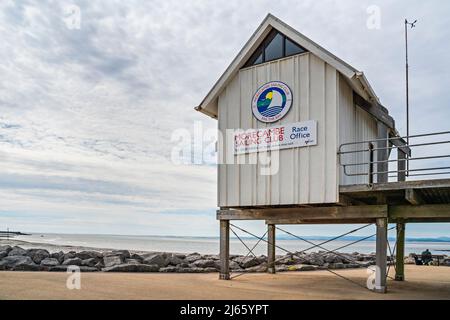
{"points": [[272, 101], [293, 135]]}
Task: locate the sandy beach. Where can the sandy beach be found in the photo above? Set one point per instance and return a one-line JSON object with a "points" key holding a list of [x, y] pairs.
{"points": [[422, 283]]}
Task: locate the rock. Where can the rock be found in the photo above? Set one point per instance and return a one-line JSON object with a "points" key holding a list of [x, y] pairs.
{"points": [[49, 262], [316, 259], [16, 262], [123, 254], [209, 270], [37, 255], [338, 265], [110, 261], [281, 268], [132, 261], [84, 255], [193, 257], [132, 268], [3, 254], [6, 248], [72, 262], [173, 260], [137, 257], [180, 256], [99, 265], [64, 269], [204, 264], [90, 262], [191, 270], [184, 265], [157, 259], [17, 251], [260, 268], [58, 269], [70, 255], [168, 269], [302, 267], [234, 265], [247, 262], [58, 256]]}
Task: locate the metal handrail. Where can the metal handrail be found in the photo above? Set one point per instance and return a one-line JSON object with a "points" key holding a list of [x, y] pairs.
{"points": [[370, 150]]}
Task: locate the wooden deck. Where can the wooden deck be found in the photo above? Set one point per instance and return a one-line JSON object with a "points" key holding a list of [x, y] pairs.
{"points": [[408, 201]]}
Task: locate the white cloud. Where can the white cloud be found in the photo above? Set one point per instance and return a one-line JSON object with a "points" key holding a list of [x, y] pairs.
{"points": [[86, 115]]}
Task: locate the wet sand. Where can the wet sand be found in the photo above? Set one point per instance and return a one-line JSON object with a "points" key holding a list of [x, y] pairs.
{"points": [[422, 283]]}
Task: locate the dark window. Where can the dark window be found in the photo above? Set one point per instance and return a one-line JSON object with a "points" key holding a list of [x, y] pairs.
{"points": [[275, 46], [274, 49], [292, 48]]}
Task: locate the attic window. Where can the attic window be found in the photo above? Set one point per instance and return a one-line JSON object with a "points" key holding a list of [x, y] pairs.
{"points": [[275, 46]]}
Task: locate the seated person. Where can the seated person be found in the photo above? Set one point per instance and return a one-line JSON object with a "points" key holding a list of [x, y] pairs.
{"points": [[427, 257]]}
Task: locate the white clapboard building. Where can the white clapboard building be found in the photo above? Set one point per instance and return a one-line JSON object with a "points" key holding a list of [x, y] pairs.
{"points": [[283, 86]]}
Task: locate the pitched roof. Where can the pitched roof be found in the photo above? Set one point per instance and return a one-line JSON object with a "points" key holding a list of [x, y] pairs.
{"points": [[355, 78]]}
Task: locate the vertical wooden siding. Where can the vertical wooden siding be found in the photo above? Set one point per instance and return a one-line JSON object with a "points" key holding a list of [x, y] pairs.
{"points": [[306, 175]]}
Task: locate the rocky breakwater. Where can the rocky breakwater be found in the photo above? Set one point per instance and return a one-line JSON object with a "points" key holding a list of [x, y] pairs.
{"points": [[19, 259]]}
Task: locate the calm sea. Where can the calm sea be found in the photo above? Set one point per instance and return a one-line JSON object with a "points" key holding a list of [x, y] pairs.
{"points": [[202, 245]]}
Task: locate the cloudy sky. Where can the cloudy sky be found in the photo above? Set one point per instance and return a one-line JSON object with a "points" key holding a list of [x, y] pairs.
{"points": [[88, 106]]}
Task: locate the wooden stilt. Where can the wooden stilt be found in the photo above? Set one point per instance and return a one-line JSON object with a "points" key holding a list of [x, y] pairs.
{"points": [[381, 256], [224, 250], [400, 254], [271, 248]]}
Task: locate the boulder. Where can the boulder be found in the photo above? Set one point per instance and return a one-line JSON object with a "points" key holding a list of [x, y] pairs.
{"points": [[247, 262], [137, 257], [204, 264], [99, 265], [173, 260], [193, 257], [69, 255], [156, 259], [338, 265], [72, 262], [49, 262], [316, 259], [132, 261], [37, 255], [6, 248], [260, 268], [17, 251], [123, 254], [281, 268], [16, 262], [58, 256], [110, 261], [234, 265], [90, 262], [84, 255], [180, 256], [125, 267], [169, 269], [3, 254], [191, 270]]}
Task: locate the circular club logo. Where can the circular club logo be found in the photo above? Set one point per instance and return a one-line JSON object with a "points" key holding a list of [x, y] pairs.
{"points": [[272, 101]]}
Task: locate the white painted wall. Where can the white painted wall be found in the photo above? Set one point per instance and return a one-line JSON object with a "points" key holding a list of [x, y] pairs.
{"points": [[306, 175]]}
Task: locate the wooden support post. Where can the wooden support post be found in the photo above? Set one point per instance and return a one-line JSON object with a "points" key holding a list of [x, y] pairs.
{"points": [[381, 256], [224, 250], [400, 254], [271, 248]]}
